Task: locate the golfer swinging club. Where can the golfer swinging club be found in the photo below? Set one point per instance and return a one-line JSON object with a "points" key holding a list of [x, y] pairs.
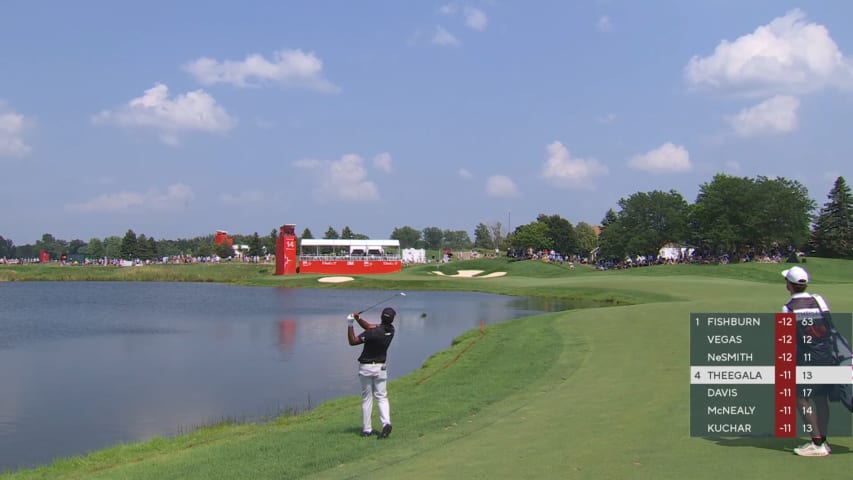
{"points": [[372, 371]]}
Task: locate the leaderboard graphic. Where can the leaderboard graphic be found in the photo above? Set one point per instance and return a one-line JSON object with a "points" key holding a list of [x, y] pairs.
{"points": [[744, 377]]}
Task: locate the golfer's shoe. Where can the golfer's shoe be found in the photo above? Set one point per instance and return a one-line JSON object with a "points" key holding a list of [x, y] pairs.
{"points": [[812, 450], [367, 434], [386, 430]]}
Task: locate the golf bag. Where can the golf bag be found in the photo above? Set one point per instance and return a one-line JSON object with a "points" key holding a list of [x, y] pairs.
{"points": [[842, 392]]}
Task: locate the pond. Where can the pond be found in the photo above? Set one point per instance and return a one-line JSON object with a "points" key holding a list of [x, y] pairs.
{"points": [[87, 365]]}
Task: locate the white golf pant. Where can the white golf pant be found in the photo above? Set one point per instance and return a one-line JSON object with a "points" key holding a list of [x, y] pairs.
{"points": [[374, 377]]}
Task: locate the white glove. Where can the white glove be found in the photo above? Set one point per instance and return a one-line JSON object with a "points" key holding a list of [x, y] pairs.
{"points": [[350, 319]]}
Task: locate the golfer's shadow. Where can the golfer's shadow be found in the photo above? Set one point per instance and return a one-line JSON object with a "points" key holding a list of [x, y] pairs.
{"points": [[771, 443]]}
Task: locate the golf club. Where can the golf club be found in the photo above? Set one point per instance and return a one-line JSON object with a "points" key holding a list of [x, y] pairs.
{"points": [[383, 301]]}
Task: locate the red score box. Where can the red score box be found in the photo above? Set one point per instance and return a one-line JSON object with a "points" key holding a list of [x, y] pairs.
{"points": [[786, 375]]}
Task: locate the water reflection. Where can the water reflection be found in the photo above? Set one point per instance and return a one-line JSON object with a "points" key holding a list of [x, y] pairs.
{"points": [[88, 365]]}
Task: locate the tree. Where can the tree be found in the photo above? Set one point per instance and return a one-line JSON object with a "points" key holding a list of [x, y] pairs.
{"points": [[331, 234], [153, 251], [497, 236], [112, 246], [739, 214], [7, 248], [560, 232], [255, 247], [833, 229], [532, 236], [645, 223], [433, 238], [586, 238], [55, 247], [407, 236], [223, 250], [141, 251], [307, 234], [483, 237], [204, 249], [346, 233], [128, 246], [457, 239]]}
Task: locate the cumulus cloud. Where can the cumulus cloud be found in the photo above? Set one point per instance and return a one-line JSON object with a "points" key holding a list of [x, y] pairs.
{"points": [[344, 179], [464, 173], [604, 24], [251, 197], [475, 18], [774, 116], [290, 68], [176, 195], [501, 186], [788, 55], [383, 162], [449, 9], [12, 127], [193, 111], [564, 171], [444, 38], [668, 158]]}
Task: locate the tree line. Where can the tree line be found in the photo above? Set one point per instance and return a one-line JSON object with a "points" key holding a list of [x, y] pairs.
{"points": [[731, 215]]}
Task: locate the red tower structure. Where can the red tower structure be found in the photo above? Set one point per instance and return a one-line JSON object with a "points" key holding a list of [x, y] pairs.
{"points": [[285, 250]]}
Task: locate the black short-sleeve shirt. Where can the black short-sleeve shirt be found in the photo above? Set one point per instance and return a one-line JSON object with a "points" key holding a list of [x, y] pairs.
{"points": [[376, 342]]}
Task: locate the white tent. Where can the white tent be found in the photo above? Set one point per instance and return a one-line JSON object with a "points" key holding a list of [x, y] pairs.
{"points": [[414, 255]]}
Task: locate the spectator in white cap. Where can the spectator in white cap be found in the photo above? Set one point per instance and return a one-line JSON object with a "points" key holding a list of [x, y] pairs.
{"points": [[814, 348]]}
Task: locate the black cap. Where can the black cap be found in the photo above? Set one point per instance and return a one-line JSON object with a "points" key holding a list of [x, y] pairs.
{"points": [[388, 315]]}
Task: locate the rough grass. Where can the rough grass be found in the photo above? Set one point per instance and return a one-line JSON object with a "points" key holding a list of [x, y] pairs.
{"points": [[593, 393]]}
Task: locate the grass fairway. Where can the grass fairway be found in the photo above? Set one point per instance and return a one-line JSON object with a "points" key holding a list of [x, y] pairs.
{"points": [[599, 393]]}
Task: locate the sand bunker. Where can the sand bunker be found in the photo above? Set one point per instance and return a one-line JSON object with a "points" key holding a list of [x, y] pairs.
{"points": [[472, 274], [335, 279]]}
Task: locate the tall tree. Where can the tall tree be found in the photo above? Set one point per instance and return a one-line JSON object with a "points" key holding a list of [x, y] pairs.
{"points": [[433, 238], [407, 236], [483, 237], [331, 234], [587, 240], [307, 234], [255, 247], [141, 251], [833, 229], [497, 235], [347, 234], [7, 248], [112, 246], [128, 246], [646, 222], [532, 236], [457, 239], [560, 232]]}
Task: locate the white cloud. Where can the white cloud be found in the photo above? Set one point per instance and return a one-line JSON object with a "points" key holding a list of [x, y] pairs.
{"points": [[501, 186], [177, 195], [464, 173], [776, 115], [668, 158], [476, 18], [604, 24], [383, 161], [564, 171], [192, 111], [12, 127], [444, 38], [344, 179], [290, 68], [788, 55], [606, 119], [449, 9], [252, 197]]}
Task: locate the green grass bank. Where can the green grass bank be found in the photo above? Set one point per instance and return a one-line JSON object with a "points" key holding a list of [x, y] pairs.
{"points": [[599, 392]]}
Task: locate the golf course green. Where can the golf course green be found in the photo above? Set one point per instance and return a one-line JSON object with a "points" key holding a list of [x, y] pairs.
{"points": [[593, 393]]}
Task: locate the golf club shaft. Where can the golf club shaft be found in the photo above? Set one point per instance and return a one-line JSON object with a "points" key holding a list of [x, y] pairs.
{"points": [[381, 302]]}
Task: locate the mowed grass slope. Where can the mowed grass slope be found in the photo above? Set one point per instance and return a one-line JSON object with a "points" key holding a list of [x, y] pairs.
{"points": [[591, 393]]}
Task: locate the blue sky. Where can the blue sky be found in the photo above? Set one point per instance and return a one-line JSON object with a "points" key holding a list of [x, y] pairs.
{"points": [[176, 119]]}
